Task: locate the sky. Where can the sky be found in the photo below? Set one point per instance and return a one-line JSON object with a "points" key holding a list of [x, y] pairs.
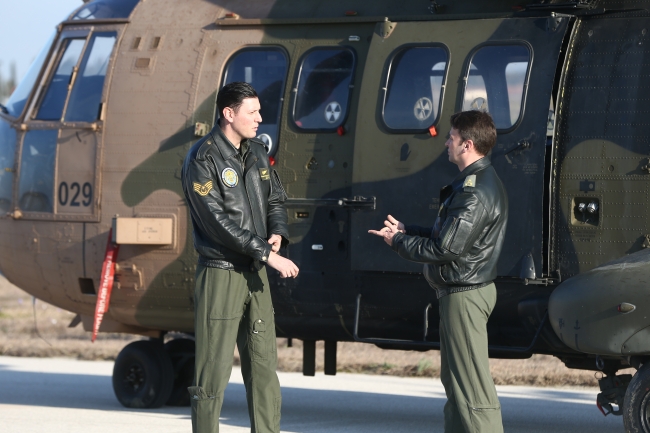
{"points": [[25, 27]]}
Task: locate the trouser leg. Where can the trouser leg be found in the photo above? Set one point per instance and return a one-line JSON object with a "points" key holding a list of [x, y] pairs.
{"points": [[257, 349], [219, 302], [472, 406]]}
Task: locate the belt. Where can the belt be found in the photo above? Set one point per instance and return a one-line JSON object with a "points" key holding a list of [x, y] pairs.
{"points": [[254, 266], [448, 290]]}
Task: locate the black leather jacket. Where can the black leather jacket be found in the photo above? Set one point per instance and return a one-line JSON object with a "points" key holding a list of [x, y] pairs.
{"points": [[235, 201], [461, 250]]}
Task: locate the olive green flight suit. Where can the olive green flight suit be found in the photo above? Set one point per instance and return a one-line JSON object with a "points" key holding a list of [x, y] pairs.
{"points": [[234, 307], [472, 404]]}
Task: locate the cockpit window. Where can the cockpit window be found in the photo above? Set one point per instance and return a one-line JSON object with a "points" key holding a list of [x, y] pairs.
{"points": [[36, 185], [414, 89], [496, 82], [102, 9], [266, 70], [86, 94], [7, 156], [323, 88], [18, 98], [57, 92]]}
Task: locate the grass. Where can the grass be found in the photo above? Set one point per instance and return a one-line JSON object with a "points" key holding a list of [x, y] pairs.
{"points": [[49, 336]]}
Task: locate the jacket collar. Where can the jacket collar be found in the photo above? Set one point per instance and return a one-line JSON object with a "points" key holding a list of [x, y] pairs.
{"points": [[227, 149], [473, 168]]}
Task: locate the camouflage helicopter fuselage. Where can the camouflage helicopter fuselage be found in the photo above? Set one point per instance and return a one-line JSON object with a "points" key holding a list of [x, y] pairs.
{"points": [[572, 151]]}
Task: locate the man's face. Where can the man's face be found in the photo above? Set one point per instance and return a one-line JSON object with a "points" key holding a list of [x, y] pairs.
{"points": [[246, 119], [455, 146]]}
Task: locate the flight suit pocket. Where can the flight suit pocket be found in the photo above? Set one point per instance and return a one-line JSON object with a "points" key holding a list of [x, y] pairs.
{"points": [[258, 341], [486, 419], [204, 408]]}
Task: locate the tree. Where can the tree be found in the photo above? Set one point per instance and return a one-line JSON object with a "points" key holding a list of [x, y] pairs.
{"points": [[7, 85]]}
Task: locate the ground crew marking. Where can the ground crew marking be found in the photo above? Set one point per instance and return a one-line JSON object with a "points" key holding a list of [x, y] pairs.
{"points": [[203, 190]]}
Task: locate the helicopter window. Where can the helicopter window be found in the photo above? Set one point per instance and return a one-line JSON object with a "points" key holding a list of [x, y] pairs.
{"points": [[7, 155], [86, 94], [323, 88], [101, 9], [18, 98], [414, 89], [496, 82], [36, 185], [57, 91], [266, 70]]}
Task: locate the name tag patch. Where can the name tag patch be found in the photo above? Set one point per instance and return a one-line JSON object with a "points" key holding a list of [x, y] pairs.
{"points": [[264, 174]]}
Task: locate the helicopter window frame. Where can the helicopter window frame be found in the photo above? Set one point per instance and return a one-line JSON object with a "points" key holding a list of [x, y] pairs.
{"points": [[273, 146], [82, 77], [524, 86], [50, 69], [388, 79], [62, 127], [295, 89]]}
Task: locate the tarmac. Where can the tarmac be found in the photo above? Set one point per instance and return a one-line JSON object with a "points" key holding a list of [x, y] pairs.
{"points": [[55, 395]]}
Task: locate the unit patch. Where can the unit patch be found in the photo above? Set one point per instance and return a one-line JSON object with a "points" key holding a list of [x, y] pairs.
{"points": [[264, 174], [229, 177], [470, 181], [203, 190]]}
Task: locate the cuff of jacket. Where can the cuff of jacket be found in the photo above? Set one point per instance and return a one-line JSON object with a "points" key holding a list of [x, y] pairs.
{"points": [[265, 252], [397, 241]]}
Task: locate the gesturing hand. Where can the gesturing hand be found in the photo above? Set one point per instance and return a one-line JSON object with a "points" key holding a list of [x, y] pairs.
{"points": [[392, 226], [392, 222]]}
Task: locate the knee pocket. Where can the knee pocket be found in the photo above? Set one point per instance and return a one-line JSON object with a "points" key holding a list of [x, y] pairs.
{"points": [[205, 408], [258, 339], [486, 418]]}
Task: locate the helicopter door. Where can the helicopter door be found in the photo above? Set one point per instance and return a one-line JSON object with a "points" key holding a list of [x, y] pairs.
{"points": [[58, 164], [58, 175], [314, 159], [426, 71]]}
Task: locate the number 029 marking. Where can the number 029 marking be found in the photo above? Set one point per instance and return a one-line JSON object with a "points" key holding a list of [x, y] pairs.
{"points": [[71, 192]]}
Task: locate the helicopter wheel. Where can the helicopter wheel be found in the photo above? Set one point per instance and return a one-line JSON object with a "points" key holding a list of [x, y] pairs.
{"points": [[636, 406], [143, 375], [181, 352]]}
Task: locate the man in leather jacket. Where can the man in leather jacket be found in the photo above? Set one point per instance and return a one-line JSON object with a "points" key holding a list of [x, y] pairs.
{"points": [[460, 254], [240, 223]]}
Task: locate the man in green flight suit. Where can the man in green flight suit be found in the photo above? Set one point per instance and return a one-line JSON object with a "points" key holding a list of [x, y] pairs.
{"points": [[460, 253], [236, 204]]}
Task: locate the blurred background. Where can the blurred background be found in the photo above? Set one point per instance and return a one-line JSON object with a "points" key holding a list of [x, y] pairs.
{"points": [[25, 27]]}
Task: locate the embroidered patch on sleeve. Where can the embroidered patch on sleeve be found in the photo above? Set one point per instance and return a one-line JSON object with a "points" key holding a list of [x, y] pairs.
{"points": [[203, 190], [264, 174]]}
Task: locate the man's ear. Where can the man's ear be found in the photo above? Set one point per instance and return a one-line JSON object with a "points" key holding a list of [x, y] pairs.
{"points": [[228, 114], [470, 145]]}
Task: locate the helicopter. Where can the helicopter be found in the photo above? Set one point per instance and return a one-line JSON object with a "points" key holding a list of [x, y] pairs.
{"points": [[355, 98]]}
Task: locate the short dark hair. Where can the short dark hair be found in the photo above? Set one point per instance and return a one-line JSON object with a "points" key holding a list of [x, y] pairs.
{"points": [[233, 94], [477, 126]]}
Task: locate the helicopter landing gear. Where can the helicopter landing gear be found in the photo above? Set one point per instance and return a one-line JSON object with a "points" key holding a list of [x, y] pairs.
{"points": [[181, 352], [612, 392], [143, 375], [636, 407]]}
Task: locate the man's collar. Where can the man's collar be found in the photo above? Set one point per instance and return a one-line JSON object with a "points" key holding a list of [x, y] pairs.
{"points": [[227, 149], [473, 168]]}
